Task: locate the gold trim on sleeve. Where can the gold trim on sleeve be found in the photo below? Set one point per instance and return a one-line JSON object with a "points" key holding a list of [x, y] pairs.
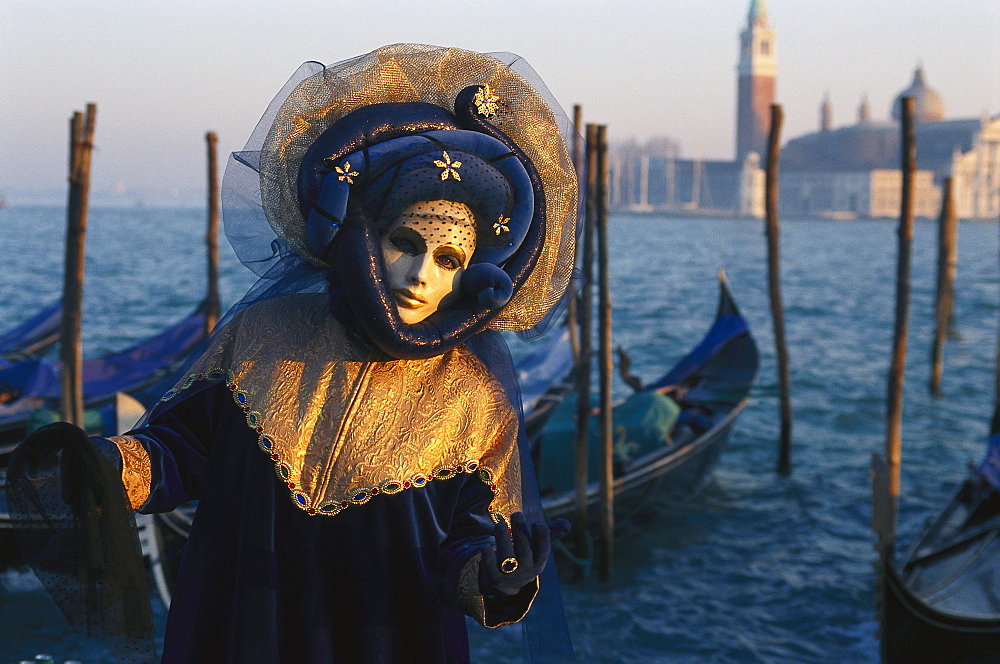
{"points": [[470, 598], [136, 474]]}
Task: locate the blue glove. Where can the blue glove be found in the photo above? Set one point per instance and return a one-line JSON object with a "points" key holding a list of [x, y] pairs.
{"points": [[519, 556]]}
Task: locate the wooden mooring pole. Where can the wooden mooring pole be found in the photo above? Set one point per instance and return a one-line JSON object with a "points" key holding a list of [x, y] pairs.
{"points": [[581, 445], [573, 307], [606, 362], [774, 287], [894, 405], [71, 342], [995, 420], [947, 266], [212, 304]]}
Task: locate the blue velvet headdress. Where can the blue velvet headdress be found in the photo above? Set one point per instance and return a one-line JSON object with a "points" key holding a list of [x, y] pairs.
{"points": [[362, 192]]}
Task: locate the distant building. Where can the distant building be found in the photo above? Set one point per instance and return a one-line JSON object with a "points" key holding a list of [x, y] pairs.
{"points": [[854, 170], [842, 172], [652, 177]]}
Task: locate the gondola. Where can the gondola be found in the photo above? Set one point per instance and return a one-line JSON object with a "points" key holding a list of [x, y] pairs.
{"points": [[32, 336], [709, 386], [35, 383], [941, 604]]}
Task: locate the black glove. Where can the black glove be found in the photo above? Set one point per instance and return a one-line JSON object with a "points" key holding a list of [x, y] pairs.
{"points": [[75, 459], [519, 556]]}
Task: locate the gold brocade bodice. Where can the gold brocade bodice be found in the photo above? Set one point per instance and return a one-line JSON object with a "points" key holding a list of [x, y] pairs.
{"points": [[342, 427]]}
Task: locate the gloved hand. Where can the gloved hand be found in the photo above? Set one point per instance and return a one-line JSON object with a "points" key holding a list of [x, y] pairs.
{"points": [[519, 556]]}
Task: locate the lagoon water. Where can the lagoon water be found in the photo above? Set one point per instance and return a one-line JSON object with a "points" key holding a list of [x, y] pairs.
{"points": [[755, 568]]}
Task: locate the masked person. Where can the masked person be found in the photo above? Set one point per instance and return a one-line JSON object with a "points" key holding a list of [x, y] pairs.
{"points": [[352, 431]]}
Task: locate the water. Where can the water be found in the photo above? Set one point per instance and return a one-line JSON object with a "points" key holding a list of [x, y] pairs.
{"points": [[755, 568]]}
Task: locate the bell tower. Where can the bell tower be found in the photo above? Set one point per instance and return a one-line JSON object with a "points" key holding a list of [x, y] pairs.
{"points": [[757, 77]]}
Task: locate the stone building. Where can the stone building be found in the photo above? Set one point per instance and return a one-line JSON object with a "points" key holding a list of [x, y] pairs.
{"points": [[854, 170], [841, 172], [652, 179]]}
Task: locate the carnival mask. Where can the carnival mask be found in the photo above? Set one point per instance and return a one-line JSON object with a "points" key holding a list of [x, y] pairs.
{"points": [[426, 250]]}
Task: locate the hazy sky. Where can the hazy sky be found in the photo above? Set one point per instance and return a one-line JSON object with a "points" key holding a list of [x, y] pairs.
{"points": [[164, 72]]}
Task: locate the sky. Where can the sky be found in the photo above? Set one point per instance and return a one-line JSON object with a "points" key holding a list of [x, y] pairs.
{"points": [[164, 72]]}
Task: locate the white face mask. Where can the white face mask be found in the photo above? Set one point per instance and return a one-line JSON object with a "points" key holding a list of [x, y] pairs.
{"points": [[426, 250]]}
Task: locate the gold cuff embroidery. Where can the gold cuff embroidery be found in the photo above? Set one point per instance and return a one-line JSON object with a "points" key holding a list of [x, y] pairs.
{"points": [[472, 602], [136, 475]]}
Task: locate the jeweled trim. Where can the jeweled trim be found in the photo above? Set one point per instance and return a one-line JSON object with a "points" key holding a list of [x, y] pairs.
{"points": [[215, 376], [357, 495]]}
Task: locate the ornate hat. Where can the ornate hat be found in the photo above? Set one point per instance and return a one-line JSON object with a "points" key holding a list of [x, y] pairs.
{"points": [[389, 116]]}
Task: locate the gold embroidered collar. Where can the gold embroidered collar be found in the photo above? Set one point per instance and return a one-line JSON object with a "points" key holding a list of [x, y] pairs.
{"points": [[342, 427]]}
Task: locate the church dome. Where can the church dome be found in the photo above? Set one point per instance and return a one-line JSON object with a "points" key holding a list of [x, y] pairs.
{"points": [[929, 106]]}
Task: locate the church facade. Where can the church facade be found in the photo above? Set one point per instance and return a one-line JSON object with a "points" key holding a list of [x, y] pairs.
{"points": [[853, 171]]}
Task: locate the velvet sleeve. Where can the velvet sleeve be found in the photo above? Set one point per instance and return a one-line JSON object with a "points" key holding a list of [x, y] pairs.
{"points": [[162, 464]]}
